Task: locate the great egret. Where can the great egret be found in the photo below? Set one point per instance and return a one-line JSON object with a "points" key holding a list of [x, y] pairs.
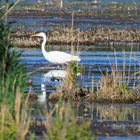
{"points": [[56, 56]]}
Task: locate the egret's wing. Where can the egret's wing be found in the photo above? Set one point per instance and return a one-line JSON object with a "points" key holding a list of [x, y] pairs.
{"points": [[59, 57]]}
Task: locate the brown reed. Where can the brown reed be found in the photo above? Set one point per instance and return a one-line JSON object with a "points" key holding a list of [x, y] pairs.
{"points": [[76, 36]]}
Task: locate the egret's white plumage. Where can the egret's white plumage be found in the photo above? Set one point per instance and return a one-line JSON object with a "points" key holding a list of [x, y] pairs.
{"points": [[56, 56]]}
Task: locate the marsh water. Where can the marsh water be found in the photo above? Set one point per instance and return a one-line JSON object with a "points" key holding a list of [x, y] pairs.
{"points": [[95, 60], [86, 1], [116, 121]]}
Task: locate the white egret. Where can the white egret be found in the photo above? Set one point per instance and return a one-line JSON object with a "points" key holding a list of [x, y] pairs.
{"points": [[56, 56]]}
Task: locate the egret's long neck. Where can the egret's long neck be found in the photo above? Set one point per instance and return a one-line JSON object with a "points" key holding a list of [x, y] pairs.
{"points": [[43, 45]]}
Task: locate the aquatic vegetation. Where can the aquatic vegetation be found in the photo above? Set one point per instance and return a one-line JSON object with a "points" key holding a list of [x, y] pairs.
{"points": [[113, 90], [15, 124], [11, 71], [112, 87], [65, 124], [69, 87], [13, 115]]}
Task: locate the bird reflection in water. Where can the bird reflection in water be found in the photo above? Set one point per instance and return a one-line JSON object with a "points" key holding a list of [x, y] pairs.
{"points": [[54, 77]]}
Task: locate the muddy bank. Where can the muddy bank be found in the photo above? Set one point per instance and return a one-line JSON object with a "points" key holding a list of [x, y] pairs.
{"points": [[77, 36]]}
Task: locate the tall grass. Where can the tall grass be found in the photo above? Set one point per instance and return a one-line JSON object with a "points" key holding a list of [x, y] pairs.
{"points": [[65, 125], [11, 71], [119, 83], [13, 114], [14, 121]]}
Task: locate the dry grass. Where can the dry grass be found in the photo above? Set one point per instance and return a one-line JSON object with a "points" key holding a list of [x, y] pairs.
{"points": [[68, 89], [111, 89], [65, 124], [21, 117], [76, 36], [14, 125]]}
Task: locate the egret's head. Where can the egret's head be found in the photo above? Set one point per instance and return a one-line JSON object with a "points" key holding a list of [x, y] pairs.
{"points": [[41, 34]]}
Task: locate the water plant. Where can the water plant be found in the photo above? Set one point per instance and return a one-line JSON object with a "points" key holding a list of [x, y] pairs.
{"points": [[13, 115], [70, 88], [65, 126], [11, 71], [14, 120], [112, 88]]}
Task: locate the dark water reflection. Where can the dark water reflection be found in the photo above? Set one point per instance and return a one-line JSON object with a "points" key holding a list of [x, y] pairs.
{"points": [[109, 112], [111, 119], [97, 112]]}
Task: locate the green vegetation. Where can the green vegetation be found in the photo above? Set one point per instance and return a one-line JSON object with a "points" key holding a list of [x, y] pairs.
{"points": [[10, 70], [65, 124], [13, 115]]}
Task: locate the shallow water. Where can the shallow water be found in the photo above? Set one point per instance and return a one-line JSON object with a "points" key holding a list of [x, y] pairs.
{"points": [[87, 1], [43, 22], [96, 60], [120, 121]]}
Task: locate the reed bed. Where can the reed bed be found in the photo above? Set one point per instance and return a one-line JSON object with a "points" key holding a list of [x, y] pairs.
{"points": [[77, 36], [112, 87]]}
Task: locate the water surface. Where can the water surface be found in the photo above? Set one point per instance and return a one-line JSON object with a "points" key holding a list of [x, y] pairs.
{"points": [[97, 60]]}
